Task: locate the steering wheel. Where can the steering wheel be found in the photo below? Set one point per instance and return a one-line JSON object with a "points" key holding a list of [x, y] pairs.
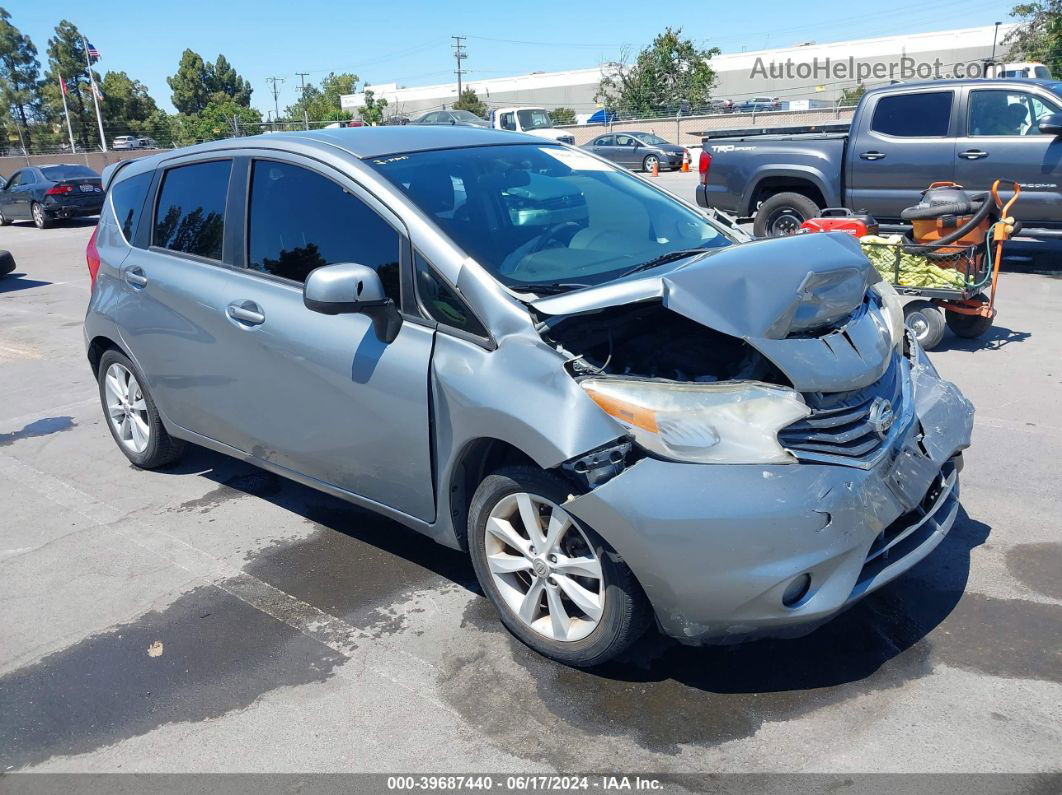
{"points": [[553, 235]]}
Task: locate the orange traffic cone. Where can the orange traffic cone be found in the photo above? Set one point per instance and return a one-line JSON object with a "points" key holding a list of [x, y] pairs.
{"points": [[685, 161], [656, 168]]}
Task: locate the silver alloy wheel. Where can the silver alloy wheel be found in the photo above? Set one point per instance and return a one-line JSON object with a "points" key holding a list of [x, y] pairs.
{"points": [[126, 408], [544, 567], [38, 215], [649, 161]]}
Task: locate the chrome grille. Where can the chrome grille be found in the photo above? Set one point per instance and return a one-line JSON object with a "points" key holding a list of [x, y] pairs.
{"points": [[840, 423]]}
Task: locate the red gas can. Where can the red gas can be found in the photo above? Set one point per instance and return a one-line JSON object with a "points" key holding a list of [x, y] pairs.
{"points": [[841, 219]]}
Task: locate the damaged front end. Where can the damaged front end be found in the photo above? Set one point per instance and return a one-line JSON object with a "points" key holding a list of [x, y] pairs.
{"points": [[786, 360]]}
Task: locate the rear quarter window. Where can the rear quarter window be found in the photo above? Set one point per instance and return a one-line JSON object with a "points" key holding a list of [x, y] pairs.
{"points": [[190, 214], [127, 199]]}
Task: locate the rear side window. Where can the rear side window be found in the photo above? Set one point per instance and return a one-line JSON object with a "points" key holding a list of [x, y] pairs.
{"points": [[59, 173], [127, 198], [913, 115], [190, 214], [442, 303], [301, 220]]}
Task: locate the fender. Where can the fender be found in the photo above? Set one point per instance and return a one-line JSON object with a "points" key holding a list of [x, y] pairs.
{"points": [[809, 174]]}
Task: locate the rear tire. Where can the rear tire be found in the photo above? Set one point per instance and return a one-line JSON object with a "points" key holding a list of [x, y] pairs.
{"points": [[508, 569], [40, 218], [782, 214], [926, 321], [150, 446]]}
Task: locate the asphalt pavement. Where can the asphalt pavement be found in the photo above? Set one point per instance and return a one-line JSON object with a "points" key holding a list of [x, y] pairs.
{"points": [[213, 617]]}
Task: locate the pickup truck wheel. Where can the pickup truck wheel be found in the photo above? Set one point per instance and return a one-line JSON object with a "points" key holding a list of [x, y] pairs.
{"points": [[926, 321], [556, 584], [782, 214]]}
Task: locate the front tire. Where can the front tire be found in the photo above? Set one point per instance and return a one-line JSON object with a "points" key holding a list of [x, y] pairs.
{"points": [[557, 585], [782, 215], [131, 414], [647, 163], [4, 220], [40, 218]]}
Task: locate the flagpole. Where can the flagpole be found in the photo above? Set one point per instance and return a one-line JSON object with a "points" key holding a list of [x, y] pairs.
{"points": [[66, 112], [95, 98]]}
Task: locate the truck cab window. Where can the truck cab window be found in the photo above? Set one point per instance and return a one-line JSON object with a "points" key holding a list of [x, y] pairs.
{"points": [[925, 115]]}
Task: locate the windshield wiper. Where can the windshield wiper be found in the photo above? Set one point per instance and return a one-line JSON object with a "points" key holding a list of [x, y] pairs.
{"points": [[550, 288], [671, 256]]}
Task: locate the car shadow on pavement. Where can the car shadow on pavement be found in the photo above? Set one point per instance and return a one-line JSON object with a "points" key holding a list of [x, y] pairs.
{"points": [[993, 339], [17, 281]]}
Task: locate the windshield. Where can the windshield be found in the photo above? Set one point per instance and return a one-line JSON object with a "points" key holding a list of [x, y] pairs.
{"points": [[649, 138], [59, 173], [466, 115], [546, 215], [533, 119]]}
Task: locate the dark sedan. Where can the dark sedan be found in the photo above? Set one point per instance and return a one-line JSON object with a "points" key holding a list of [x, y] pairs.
{"points": [[46, 193], [459, 117], [638, 150]]}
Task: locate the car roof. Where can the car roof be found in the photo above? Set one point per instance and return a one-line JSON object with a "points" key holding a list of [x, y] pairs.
{"points": [[369, 142], [980, 81]]}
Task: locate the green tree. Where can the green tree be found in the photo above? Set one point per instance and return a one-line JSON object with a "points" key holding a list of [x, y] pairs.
{"points": [[19, 73], [670, 70], [850, 96], [373, 110], [66, 58], [470, 102], [126, 105], [199, 83], [321, 103], [562, 116], [1038, 36]]}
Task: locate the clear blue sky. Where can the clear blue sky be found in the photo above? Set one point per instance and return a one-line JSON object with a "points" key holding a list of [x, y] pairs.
{"points": [[408, 40]]}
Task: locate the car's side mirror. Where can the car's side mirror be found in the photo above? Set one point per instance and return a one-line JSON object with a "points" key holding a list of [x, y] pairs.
{"points": [[1051, 125], [346, 288]]}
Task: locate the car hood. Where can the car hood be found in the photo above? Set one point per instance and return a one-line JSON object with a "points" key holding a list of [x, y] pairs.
{"points": [[801, 301]]}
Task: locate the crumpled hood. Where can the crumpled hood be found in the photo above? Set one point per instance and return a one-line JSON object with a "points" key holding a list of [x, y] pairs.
{"points": [[766, 292]]}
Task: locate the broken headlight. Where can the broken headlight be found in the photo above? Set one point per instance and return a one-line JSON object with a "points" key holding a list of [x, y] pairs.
{"points": [[892, 308], [721, 423]]}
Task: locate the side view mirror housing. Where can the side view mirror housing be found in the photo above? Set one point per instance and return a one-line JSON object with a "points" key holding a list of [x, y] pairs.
{"points": [[346, 288], [1051, 125]]}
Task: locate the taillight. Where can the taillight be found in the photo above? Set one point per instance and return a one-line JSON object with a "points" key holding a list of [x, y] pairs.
{"points": [[59, 190], [703, 165], [92, 257]]}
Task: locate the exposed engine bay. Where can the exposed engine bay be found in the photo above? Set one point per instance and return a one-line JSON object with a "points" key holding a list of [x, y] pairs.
{"points": [[647, 340]]}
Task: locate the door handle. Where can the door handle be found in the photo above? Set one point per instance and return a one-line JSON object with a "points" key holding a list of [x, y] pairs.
{"points": [[246, 312], [871, 155], [973, 154], [134, 276]]}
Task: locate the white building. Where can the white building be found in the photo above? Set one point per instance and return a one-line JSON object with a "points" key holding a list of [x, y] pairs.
{"points": [[806, 72]]}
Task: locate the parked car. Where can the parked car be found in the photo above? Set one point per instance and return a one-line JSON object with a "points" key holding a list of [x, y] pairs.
{"points": [[524, 351], [463, 117], [48, 193], [901, 138], [125, 142], [145, 142], [759, 104], [638, 150]]}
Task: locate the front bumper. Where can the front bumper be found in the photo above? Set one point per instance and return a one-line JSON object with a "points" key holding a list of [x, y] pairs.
{"points": [[716, 546]]}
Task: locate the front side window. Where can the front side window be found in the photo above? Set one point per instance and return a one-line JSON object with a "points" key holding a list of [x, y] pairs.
{"points": [[925, 115], [190, 214], [543, 216], [440, 301], [301, 220], [625, 140], [1007, 113], [16, 179], [127, 198]]}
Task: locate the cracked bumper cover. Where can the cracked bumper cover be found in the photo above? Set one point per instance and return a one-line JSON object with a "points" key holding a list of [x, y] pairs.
{"points": [[715, 546]]}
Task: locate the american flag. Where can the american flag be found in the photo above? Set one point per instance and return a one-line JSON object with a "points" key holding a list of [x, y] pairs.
{"points": [[94, 54]]}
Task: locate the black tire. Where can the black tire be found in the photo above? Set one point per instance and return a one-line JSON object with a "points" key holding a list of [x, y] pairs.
{"points": [[40, 218], [4, 220], [7, 262], [782, 214], [968, 326], [626, 613], [926, 321], [162, 448], [647, 162]]}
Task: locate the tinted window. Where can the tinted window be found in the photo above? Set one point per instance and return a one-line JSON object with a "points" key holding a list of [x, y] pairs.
{"points": [[442, 303], [1007, 113], [913, 115], [301, 220], [127, 197], [16, 179], [190, 216], [59, 173]]}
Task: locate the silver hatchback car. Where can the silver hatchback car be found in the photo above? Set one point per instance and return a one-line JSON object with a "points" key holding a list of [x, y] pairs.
{"points": [[621, 410]]}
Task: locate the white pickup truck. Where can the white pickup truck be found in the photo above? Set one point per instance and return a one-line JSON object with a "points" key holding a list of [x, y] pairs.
{"points": [[533, 121]]}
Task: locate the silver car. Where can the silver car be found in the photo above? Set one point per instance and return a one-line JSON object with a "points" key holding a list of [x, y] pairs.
{"points": [[621, 411], [451, 117], [638, 150]]}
